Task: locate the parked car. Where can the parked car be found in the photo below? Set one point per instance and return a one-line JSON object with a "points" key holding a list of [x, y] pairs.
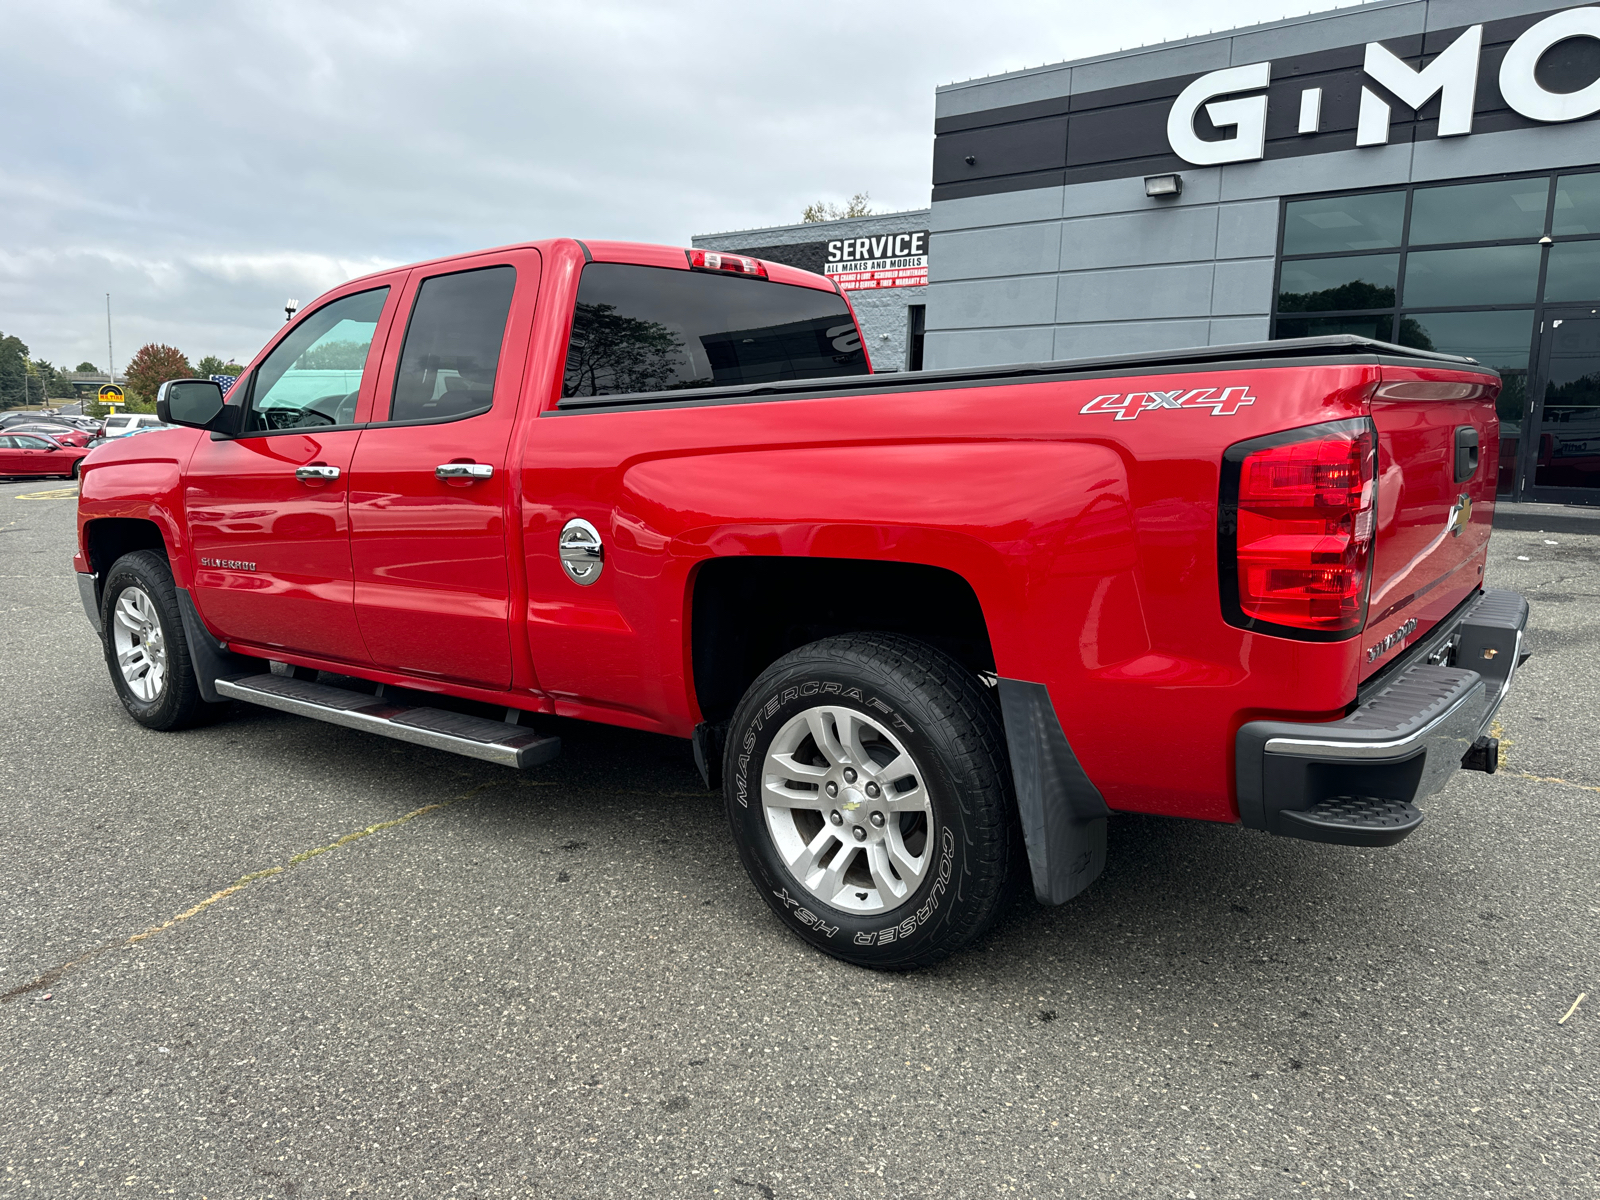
{"points": [[65, 434], [913, 625], [12, 420], [32, 454], [118, 424]]}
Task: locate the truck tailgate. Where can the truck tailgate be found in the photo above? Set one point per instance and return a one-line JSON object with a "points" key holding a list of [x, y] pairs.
{"points": [[1437, 432]]}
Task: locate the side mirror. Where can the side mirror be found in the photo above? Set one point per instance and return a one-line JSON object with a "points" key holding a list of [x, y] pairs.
{"points": [[197, 403]]}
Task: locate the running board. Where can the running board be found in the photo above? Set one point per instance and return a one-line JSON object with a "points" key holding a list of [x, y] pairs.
{"points": [[475, 737]]}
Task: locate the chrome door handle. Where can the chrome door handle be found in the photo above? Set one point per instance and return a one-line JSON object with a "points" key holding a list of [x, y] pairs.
{"points": [[464, 471], [316, 471]]}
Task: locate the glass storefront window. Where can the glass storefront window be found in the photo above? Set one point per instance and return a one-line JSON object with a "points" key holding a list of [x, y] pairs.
{"points": [[1577, 205], [1496, 339], [1369, 327], [1573, 272], [1569, 424], [1480, 275], [1479, 212], [1333, 223], [1509, 298], [1338, 284]]}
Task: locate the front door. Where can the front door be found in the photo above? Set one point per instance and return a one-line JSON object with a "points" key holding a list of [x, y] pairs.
{"points": [[268, 510], [1561, 447], [429, 490]]}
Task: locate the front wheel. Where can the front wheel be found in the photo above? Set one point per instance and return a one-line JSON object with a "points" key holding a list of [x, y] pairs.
{"points": [[867, 784], [145, 646]]}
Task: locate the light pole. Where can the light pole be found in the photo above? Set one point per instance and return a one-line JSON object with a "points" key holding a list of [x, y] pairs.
{"points": [[289, 309]]}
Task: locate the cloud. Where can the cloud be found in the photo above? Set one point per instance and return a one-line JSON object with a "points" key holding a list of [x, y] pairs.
{"points": [[221, 158]]}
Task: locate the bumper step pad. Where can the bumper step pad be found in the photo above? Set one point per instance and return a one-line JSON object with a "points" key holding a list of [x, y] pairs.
{"points": [[1354, 821], [459, 733]]}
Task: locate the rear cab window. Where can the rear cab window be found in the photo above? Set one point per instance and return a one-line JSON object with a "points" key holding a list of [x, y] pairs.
{"points": [[640, 329]]}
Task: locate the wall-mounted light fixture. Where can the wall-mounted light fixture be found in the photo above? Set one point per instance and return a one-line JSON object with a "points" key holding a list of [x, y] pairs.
{"points": [[1163, 185]]}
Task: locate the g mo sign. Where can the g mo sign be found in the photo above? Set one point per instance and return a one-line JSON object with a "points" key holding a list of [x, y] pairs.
{"points": [[1228, 101]]}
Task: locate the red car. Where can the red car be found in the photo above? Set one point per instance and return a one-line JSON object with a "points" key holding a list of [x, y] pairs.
{"points": [[64, 434], [916, 625], [38, 454]]}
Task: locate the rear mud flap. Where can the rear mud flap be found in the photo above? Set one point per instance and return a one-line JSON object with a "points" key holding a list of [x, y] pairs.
{"points": [[1063, 814]]}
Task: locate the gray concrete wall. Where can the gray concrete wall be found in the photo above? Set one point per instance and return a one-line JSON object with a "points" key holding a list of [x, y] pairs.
{"points": [[881, 312], [1099, 268]]}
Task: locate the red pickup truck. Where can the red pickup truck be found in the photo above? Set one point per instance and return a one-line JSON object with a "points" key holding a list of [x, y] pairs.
{"points": [[927, 631]]}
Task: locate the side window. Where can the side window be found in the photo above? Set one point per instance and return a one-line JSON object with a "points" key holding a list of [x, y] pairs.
{"points": [[656, 329], [452, 346], [30, 443], [313, 377]]}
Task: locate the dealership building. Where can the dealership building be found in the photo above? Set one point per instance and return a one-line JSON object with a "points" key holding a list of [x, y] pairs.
{"points": [[1420, 171]]}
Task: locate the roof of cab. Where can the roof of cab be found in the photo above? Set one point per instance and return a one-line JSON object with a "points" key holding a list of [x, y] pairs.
{"points": [[645, 254]]}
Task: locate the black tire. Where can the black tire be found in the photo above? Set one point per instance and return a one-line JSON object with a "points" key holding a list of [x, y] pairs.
{"points": [[178, 703], [76, 463], [950, 725]]}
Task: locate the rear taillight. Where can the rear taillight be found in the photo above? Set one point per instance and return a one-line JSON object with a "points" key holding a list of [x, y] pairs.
{"points": [[732, 264], [1295, 530]]}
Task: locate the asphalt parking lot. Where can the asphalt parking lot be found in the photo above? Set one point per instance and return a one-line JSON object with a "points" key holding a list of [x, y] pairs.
{"points": [[277, 958]]}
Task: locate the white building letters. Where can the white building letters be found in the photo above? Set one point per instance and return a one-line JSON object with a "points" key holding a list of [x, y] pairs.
{"points": [[1452, 76]]}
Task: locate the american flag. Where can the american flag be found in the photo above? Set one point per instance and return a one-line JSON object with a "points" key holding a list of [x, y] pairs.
{"points": [[226, 381]]}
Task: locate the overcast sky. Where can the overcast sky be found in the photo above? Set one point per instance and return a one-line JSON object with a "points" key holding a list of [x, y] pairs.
{"points": [[202, 164]]}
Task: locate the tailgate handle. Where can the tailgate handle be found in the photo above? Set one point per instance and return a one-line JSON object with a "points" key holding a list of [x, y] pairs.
{"points": [[1466, 453]]}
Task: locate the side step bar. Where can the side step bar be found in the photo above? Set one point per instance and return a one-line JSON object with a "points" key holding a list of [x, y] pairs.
{"points": [[475, 737]]}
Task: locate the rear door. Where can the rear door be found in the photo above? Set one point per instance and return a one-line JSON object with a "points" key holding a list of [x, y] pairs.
{"points": [[429, 484], [268, 510]]}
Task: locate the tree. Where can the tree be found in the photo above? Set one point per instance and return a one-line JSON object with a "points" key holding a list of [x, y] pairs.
{"points": [[13, 371], [86, 366], [212, 365], [152, 366], [822, 210], [609, 353]]}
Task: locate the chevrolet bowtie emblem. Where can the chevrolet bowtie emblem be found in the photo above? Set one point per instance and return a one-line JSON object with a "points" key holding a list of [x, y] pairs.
{"points": [[1460, 515]]}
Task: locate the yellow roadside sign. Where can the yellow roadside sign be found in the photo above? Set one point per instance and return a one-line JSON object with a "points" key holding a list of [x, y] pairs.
{"points": [[110, 393]]}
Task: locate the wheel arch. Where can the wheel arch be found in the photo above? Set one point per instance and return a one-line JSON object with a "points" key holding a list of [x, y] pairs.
{"points": [[747, 611]]}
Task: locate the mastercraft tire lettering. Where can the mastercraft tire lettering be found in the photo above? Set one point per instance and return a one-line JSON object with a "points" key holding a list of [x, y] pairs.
{"points": [[869, 794]]}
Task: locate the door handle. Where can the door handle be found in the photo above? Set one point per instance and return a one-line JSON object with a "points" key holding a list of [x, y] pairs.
{"points": [[464, 471], [316, 471]]}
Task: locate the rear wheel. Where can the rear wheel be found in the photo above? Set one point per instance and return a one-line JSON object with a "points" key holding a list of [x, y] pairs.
{"points": [[870, 797], [145, 646], [76, 463]]}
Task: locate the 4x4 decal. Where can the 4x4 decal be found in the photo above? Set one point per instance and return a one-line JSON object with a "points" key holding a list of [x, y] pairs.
{"points": [[1128, 406]]}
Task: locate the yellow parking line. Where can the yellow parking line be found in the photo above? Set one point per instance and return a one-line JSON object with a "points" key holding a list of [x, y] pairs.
{"points": [[239, 885], [65, 493]]}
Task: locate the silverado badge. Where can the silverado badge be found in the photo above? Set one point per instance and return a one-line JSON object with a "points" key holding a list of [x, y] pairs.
{"points": [[1460, 515]]}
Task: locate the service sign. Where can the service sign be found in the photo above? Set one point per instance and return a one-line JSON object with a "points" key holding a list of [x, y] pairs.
{"points": [[855, 264], [886, 260]]}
